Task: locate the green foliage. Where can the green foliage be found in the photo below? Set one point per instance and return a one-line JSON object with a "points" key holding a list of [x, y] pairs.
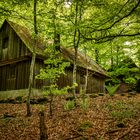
{"points": [[84, 126], [85, 103], [122, 111], [19, 98], [112, 89], [54, 68], [122, 115], [120, 71], [69, 105], [55, 90], [126, 72], [130, 80]]}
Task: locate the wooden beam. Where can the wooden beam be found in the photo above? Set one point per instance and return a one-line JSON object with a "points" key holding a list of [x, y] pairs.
{"points": [[11, 61]]}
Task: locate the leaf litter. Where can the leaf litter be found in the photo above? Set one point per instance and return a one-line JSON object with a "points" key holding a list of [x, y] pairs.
{"points": [[93, 123]]}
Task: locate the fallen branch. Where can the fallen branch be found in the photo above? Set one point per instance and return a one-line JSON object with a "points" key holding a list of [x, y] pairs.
{"points": [[115, 130], [128, 131], [6, 115]]}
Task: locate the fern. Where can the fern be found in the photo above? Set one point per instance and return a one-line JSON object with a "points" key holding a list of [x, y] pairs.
{"points": [[112, 89]]}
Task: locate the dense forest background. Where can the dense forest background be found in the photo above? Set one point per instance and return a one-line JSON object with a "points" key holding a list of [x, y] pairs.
{"points": [[107, 30]]}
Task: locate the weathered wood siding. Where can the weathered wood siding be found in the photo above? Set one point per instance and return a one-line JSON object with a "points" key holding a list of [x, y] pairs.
{"points": [[11, 45], [14, 76], [95, 83], [14, 64]]}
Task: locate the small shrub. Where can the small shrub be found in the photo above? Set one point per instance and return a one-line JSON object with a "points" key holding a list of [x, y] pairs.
{"points": [[85, 103], [85, 126], [69, 105], [109, 106], [120, 105], [19, 99], [131, 81]]}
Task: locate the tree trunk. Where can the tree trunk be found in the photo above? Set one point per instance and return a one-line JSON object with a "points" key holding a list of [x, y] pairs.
{"points": [[117, 56], [51, 104], [112, 61], [76, 44], [74, 72], [30, 84], [43, 128], [31, 77], [97, 55], [86, 76]]}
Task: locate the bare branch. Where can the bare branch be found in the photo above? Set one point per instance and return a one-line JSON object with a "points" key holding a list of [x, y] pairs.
{"points": [[120, 19]]}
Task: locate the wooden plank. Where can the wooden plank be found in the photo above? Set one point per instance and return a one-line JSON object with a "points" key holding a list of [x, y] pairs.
{"points": [[11, 61]]}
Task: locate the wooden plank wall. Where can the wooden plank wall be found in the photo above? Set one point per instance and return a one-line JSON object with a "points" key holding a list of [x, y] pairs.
{"points": [[11, 45], [95, 84], [14, 76]]}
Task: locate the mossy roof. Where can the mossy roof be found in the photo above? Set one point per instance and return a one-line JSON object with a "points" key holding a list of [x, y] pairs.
{"points": [[68, 53], [82, 61], [27, 38]]}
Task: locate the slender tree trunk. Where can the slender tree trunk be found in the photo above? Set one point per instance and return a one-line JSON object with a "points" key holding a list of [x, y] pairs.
{"points": [[74, 72], [138, 56], [43, 128], [76, 44], [30, 84], [86, 76], [51, 104], [112, 61], [117, 56], [97, 55], [31, 77]]}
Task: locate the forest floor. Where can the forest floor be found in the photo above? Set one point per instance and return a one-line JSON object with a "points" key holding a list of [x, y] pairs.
{"points": [[106, 118]]}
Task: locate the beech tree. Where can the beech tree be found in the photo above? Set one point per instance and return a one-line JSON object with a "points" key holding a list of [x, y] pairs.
{"points": [[32, 66]]}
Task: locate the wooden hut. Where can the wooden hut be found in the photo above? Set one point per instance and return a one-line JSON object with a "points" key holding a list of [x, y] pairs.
{"points": [[16, 46]]}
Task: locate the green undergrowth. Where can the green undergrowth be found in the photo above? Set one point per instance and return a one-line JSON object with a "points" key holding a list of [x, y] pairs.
{"points": [[69, 105], [122, 111], [84, 126], [112, 89]]}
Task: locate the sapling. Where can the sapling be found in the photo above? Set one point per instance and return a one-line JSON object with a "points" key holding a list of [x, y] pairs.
{"points": [[54, 68]]}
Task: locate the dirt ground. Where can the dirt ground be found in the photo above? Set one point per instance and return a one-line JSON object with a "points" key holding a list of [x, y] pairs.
{"points": [[106, 118]]}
